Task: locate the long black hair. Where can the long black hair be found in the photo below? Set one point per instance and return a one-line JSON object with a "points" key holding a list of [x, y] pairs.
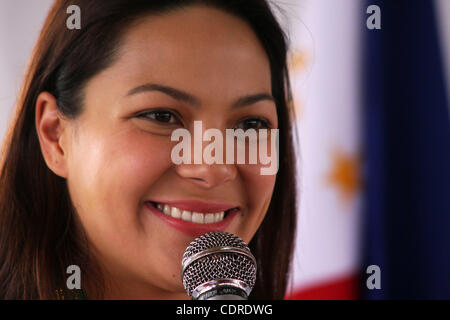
{"points": [[39, 231]]}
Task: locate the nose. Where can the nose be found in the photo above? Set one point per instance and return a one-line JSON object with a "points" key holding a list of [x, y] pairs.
{"points": [[207, 175]]}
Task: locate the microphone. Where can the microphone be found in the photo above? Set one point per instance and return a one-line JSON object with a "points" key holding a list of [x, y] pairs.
{"points": [[218, 266]]}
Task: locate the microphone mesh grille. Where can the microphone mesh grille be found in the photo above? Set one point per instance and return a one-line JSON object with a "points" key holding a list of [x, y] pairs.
{"points": [[220, 265]]}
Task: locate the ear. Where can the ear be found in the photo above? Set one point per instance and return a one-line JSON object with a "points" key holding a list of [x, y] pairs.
{"points": [[52, 131]]}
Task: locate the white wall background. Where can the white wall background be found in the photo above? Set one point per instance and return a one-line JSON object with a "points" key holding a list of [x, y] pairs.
{"points": [[20, 24]]}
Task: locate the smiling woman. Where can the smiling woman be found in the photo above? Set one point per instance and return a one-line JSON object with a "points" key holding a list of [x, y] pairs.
{"points": [[87, 177]]}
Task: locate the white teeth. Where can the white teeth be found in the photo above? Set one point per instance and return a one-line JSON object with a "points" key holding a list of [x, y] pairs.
{"points": [[209, 218], [218, 216], [195, 217], [175, 213], [186, 215], [166, 210]]}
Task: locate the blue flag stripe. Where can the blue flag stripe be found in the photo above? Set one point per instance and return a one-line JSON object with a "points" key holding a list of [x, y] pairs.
{"points": [[407, 150]]}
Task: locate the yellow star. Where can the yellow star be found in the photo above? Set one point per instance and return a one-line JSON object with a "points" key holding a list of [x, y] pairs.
{"points": [[345, 174], [297, 60]]}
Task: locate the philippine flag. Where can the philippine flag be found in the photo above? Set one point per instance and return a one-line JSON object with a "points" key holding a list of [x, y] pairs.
{"points": [[374, 123]]}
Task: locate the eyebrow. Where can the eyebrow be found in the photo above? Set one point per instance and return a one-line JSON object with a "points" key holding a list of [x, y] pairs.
{"points": [[183, 96], [251, 99]]}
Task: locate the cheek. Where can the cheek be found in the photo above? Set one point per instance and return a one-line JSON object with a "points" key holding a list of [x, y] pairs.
{"points": [[111, 174], [259, 193]]}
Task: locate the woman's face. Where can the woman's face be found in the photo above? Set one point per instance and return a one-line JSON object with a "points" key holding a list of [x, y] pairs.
{"points": [[191, 64]]}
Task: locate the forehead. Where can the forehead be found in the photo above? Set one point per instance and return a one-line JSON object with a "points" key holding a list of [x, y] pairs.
{"points": [[192, 48]]}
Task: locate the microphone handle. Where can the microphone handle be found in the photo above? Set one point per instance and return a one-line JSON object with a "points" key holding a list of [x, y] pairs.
{"points": [[223, 293], [226, 297]]}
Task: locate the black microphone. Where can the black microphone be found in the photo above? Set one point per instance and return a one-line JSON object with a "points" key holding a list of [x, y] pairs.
{"points": [[218, 266]]}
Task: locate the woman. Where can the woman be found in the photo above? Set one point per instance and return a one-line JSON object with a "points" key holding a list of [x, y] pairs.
{"points": [[87, 177]]}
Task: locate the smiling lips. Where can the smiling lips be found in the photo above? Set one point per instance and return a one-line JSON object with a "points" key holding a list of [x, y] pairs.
{"points": [[202, 214]]}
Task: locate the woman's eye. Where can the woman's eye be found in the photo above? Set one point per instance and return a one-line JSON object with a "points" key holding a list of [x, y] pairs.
{"points": [[253, 123], [162, 116]]}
